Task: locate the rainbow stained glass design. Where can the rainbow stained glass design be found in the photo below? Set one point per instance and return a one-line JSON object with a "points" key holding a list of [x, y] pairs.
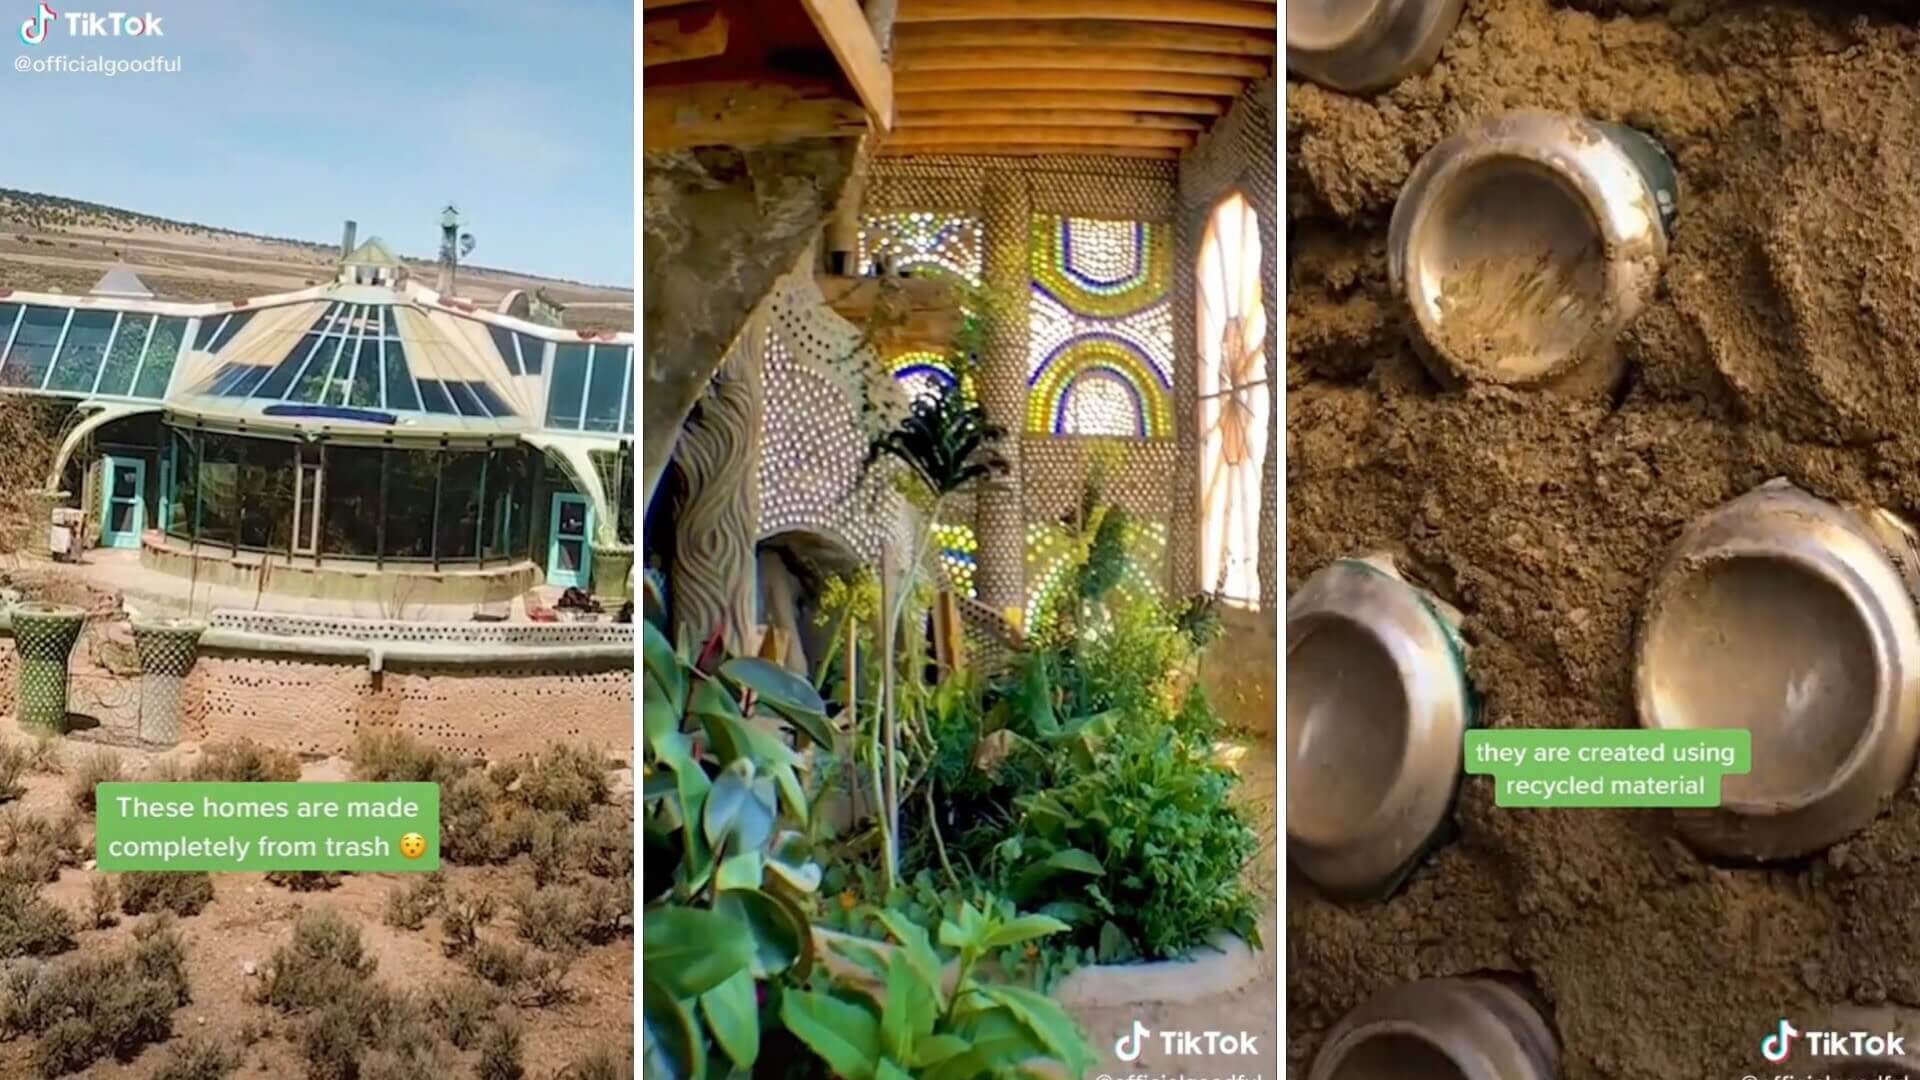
{"points": [[1050, 564], [923, 244], [958, 554], [924, 373], [1101, 329]]}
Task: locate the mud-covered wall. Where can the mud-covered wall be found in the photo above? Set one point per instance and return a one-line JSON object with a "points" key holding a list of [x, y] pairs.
{"points": [[721, 225], [1785, 340]]}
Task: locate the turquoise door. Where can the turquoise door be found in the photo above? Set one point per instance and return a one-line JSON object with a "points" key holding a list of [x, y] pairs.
{"points": [[123, 503], [569, 556]]}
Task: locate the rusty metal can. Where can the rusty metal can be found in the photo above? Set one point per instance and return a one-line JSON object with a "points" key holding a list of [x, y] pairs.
{"points": [[1524, 244], [1378, 703], [1794, 618], [1359, 46], [1473, 1027]]}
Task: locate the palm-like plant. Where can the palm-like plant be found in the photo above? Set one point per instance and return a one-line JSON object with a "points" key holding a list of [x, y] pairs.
{"points": [[946, 441]]}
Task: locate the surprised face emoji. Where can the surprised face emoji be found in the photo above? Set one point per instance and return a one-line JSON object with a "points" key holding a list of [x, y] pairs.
{"points": [[413, 845]]}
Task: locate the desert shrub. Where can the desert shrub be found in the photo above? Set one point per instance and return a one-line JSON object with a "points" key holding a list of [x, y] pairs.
{"points": [[569, 916], [29, 924], [197, 1058], [305, 880], [606, 843], [566, 778], [395, 756], [166, 771], [142, 891], [324, 962], [533, 978], [244, 761], [461, 917], [16, 760], [34, 849], [96, 1005], [463, 1008], [602, 1063], [98, 766], [369, 1032], [475, 821], [103, 902], [500, 1054], [408, 906], [44, 756]]}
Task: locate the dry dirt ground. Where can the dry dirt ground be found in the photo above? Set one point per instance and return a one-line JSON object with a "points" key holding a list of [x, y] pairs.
{"points": [[249, 918], [48, 244]]}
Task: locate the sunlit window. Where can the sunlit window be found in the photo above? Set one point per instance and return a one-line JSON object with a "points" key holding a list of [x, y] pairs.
{"points": [[1234, 402]]}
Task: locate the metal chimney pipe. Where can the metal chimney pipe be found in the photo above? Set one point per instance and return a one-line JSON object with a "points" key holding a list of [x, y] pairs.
{"points": [[346, 238]]}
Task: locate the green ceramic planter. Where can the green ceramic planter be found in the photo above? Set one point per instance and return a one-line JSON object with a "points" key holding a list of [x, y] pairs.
{"points": [[613, 573], [43, 636], [167, 648]]}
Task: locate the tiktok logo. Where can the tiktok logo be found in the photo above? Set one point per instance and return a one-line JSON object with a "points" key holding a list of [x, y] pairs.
{"points": [[34, 30], [1778, 1045], [1128, 1047]]}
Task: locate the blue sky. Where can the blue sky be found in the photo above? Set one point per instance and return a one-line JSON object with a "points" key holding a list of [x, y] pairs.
{"points": [[288, 117]]}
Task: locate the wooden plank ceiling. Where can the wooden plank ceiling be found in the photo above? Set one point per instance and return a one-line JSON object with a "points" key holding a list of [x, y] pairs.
{"points": [[1126, 78]]}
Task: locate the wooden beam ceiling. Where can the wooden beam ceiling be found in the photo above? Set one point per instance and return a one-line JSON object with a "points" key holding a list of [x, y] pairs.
{"points": [[1133, 78], [1245, 14], [684, 33]]}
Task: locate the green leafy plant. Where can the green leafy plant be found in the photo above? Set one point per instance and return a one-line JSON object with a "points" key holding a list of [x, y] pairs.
{"points": [[920, 1025], [719, 786]]}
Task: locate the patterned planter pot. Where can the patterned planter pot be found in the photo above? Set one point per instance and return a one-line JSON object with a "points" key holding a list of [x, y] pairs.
{"points": [[1378, 705], [167, 648], [43, 636], [613, 574], [1792, 617], [1469, 1027]]}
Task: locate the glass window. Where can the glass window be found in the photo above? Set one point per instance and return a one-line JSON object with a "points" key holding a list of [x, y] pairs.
{"points": [[489, 399], [123, 359], [209, 326], [184, 480], [79, 361], [9, 314], [366, 376], [463, 400], [433, 397], [1234, 401], [156, 368], [503, 341], [622, 494], [461, 478], [313, 380], [33, 344], [266, 488], [219, 489], [400, 389], [569, 380], [409, 513], [533, 354], [275, 385], [352, 492], [605, 387], [230, 327], [509, 488]]}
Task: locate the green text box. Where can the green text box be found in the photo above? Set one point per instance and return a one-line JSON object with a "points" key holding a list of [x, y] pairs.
{"points": [[265, 826], [1637, 767]]}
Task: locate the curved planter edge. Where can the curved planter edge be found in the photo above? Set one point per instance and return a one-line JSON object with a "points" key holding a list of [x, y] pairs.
{"points": [[1225, 965]]}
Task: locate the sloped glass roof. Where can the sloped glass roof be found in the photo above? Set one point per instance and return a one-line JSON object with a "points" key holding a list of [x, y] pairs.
{"points": [[347, 354], [82, 352]]}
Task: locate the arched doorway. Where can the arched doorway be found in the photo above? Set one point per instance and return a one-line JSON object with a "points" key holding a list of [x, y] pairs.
{"points": [[790, 569]]}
